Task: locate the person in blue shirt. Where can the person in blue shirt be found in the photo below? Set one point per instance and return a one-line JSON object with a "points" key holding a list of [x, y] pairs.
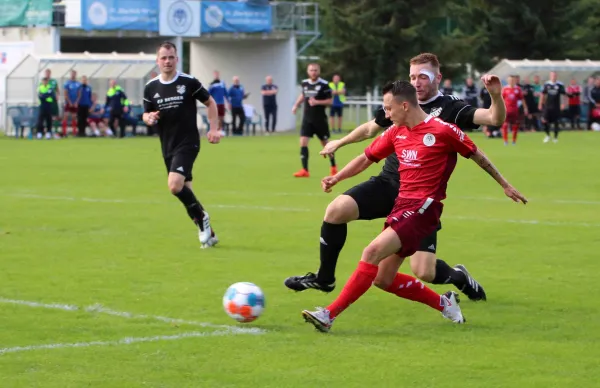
{"points": [[71, 103], [96, 118], [237, 95], [218, 92], [84, 96], [269, 93], [47, 97]]}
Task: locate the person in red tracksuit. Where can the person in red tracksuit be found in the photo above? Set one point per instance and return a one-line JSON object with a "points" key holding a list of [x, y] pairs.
{"points": [[512, 94], [574, 94]]}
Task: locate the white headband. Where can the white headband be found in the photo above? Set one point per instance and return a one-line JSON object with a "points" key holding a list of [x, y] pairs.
{"points": [[428, 74]]}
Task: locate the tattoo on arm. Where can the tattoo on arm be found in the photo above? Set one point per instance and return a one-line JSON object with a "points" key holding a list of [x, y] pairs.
{"points": [[483, 162]]}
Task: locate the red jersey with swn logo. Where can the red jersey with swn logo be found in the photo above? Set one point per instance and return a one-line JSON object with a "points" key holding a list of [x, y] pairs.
{"points": [[427, 155], [574, 93], [511, 97]]}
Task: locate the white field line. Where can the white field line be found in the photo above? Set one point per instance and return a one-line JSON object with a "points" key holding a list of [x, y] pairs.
{"points": [[125, 341], [291, 209], [469, 198], [571, 201], [107, 200], [97, 308]]}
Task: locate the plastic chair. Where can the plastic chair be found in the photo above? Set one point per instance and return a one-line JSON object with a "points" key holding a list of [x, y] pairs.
{"points": [[29, 119], [16, 114]]}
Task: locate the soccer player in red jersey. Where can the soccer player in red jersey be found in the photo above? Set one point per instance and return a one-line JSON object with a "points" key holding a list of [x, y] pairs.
{"points": [[574, 95], [512, 94], [427, 149]]}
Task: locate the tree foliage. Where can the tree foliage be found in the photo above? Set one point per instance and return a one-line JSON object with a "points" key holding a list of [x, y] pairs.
{"points": [[371, 41]]}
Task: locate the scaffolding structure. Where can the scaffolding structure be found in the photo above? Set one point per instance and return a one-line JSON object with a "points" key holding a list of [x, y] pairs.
{"points": [[131, 71]]}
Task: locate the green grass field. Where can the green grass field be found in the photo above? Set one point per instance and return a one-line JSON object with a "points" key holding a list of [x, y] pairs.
{"points": [[90, 222]]}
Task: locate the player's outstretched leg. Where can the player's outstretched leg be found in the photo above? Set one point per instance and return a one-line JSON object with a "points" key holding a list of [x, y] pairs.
{"points": [[334, 230], [361, 280], [408, 287], [182, 190], [433, 270]]}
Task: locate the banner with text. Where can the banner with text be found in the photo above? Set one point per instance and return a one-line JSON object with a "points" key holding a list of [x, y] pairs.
{"points": [[24, 13], [179, 18], [139, 15], [233, 16]]}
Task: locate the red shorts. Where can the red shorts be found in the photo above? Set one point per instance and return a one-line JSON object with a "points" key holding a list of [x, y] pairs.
{"points": [[96, 120], [70, 108], [512, 117], [221, 110], [413, 220]]}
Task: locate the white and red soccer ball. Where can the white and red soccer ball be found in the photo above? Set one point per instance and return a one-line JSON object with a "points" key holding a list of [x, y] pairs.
{"points": [[244, 301]]}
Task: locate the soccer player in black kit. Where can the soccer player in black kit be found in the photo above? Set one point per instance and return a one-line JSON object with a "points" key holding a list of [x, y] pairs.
{"points": [[170, 105], [374, 198], [316, 95], [552, 104]]}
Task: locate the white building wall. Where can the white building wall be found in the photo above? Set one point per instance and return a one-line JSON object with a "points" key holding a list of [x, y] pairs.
{"points": [[44, 39], [251, 60]]}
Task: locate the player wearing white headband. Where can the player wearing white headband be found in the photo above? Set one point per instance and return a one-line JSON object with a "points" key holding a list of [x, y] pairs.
{"points": [[374, 198]]}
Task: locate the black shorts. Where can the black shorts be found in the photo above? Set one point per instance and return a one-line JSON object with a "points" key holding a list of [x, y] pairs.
{"points": [[552, 115], [336, 111], [574, 110], [532, 109], [375, 199], [182, 162], [321, 130]]}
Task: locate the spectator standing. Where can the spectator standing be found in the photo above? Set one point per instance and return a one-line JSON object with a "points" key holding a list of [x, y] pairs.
{"points": [[338, 90], [218, 92], [83, 109], [236, 95], [269, 93]]}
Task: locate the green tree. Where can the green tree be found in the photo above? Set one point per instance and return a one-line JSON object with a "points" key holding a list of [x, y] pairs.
{"points": [[371, 41], [583, 38]]}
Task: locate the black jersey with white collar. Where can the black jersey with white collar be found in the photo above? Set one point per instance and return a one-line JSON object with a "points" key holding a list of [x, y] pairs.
{"points": [[176, 102]]}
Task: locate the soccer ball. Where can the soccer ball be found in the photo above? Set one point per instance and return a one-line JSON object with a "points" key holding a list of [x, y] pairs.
{"points": [[244, 301]]}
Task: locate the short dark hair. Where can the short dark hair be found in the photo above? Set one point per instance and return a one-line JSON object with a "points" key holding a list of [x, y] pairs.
{"points": [[402, 91], [424, 58], [168, 45]]}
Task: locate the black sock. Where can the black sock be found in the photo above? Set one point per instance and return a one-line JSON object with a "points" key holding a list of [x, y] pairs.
{"points": [[304, 157], [444, 275], [547, 129], [332, 160], [192, 205], [333, 238], [556, 129]]}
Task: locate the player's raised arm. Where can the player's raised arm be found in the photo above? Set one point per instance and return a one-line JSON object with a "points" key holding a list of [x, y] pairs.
{"points": [[202, 95], [364, 131], [298, 102], [459, 142], [379, 149], [482, 161], [496, 113], [355, 167], [151, 114]]}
